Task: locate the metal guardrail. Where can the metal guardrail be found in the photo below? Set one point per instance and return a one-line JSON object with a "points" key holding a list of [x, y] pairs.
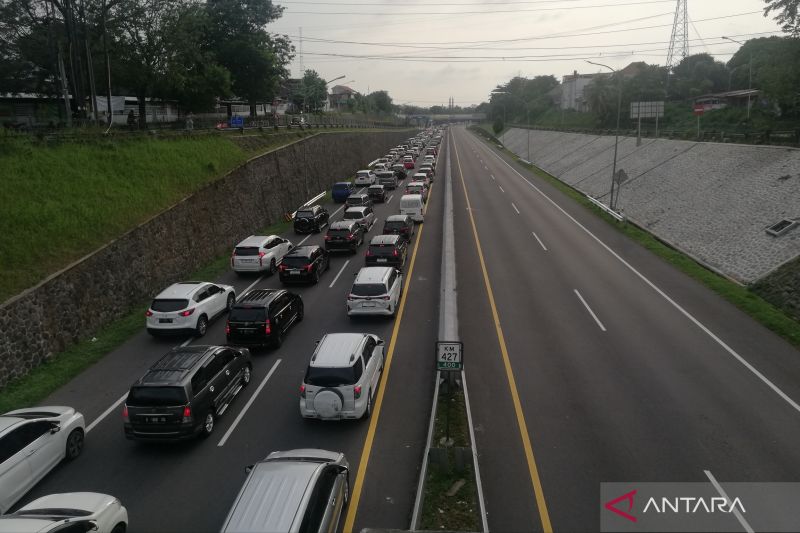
{"points": [[618, 216]]}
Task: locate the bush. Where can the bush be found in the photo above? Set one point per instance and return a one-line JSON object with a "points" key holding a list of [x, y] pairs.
{"points": [[498, 125]]}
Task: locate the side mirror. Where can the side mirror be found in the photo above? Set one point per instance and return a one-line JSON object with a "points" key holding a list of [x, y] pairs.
{"points": [[55, 427], [381, 342], [248, 469]]}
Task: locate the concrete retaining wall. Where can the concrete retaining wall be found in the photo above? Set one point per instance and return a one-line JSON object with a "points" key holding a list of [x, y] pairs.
{"points": [[73, 304], [712, 200]]}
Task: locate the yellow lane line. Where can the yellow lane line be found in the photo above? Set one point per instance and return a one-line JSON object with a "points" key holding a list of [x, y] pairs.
{"points": [[373, 423], [512, 384]]}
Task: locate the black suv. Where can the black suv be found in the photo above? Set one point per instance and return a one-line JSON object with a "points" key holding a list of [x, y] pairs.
{"points": [[387, 250], [401, 225], [262, 317], [344, 235], [308, 219], [185, 391], [377, 193], [304, 263]]}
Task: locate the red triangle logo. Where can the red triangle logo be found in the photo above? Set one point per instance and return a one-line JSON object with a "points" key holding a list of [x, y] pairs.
{"points": [[610, 505]]}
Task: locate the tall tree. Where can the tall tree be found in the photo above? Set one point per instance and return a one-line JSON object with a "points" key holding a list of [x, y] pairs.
{"points": [[787, 14], [314, 92]]}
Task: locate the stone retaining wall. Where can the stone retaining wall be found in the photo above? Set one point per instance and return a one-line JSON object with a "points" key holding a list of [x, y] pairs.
{"points": [[712, 200], [73, 304]]}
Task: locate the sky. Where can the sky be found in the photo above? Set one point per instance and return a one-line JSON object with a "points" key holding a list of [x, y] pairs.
{"points": [[423, 51]]}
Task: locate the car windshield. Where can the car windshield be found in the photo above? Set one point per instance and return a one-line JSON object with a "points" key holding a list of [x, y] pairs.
{"points": [[305, 214], [247, 250], [167, 306], [368, 289], [247, 314], [158, 396], [292, 262], [330, 377]]}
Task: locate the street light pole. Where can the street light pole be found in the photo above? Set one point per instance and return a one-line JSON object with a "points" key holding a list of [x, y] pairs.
{"points": [[750, 75], [616, 135]]}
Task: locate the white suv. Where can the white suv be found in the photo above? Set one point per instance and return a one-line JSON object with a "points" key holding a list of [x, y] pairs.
{"points": [[73, 511], [342, 377], [376, 291], [187, 307], [365, 177], [259, 253]]}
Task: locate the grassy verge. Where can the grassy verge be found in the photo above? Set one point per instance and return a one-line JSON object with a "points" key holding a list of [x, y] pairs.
{"points": [[61, 368], [459, 512], [759, 309]]}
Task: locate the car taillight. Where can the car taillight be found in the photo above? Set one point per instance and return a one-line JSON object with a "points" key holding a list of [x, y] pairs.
{"points": [[227, 327], [369, 253], [394, 253], [327, 237], [309, 266], [148, 313], [187, 312], [233, 255], [302, 391], [261, 258], [351, 237], [282, 267], [357, 392], [187, 414], [125, 414], [351, 297], [267, 327], [384, 297]]}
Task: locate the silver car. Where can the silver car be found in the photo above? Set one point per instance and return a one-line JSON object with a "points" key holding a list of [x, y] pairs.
{"points": [[363, 215]]}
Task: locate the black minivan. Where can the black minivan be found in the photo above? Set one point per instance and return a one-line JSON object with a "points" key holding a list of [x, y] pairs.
{"points": [[262, 317], [184, 392]]}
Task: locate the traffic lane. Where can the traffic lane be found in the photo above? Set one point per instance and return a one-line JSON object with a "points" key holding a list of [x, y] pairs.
{"points": [[770, 354], [391, 479], [677, 370], [508, 490]]}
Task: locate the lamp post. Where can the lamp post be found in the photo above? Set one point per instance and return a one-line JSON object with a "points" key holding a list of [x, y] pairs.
{"points": [[616, 135], [750, 75], [503, 102]]}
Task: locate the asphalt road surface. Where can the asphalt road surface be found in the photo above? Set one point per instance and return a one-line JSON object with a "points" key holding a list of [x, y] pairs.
{"points": [[190, 486]]}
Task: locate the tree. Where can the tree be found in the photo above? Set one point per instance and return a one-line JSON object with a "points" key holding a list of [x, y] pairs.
{"points": [[601, 97], [775, 63], [698, 74], [314, 91], [788, 14]]}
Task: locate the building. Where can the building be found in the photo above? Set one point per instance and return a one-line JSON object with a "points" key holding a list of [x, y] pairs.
{"points": [[572, 88], [728, 99], [339, 96]]}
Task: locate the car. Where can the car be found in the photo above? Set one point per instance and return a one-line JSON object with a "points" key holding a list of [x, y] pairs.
{"points": [[187, 307], [342, 377], [183, 393], [388, 179], [387, 250], [377, 193], [311, 219], [412, 206], [259, 253], [421, 177], [429, 159], [344, 235], [400, 171], [365, 177], [418, 187], [357, 200], [70, 512], [33, 441], [341, 190], [375, 291], [297, 490], [262, 317], [304, 263], [401, 225], [428, 169], [363, 215], [379, 167], [408, 162]]}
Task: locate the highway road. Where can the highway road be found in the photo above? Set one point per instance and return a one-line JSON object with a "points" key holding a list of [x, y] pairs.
{"points": [[190, 486], [594, 360]]}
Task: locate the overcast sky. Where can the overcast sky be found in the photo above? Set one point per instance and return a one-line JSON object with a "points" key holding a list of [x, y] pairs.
{"points": [[425, 38]]}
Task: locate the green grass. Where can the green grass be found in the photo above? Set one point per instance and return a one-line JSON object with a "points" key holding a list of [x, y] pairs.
{"points": [[759, 309], [61, 368], [439, 511]]}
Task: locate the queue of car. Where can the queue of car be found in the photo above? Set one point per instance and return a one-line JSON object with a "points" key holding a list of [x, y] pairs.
{"points": [[183, 393]]}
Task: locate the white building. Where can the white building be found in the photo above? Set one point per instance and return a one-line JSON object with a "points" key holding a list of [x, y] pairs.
{"points": [[572, 87]]}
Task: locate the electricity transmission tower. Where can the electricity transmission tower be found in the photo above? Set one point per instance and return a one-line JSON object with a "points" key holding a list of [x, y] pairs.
{"points": [[679, 42]]}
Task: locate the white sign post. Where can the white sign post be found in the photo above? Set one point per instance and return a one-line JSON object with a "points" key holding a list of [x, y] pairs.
{"points": [[449, 356]]}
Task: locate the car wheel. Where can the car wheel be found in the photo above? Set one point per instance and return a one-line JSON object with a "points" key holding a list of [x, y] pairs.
{"points": [[328, 264], [119, 528], [317, 228], [316, 276], [231, 301], [368, 410], [278, 340], [246, 376], [74, 444], [208, 424], [202, 326], [394, 312], [272, 266], [346, 490]]}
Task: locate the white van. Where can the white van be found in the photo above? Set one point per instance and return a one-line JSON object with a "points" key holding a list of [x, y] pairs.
{"points": [[411, 205]]}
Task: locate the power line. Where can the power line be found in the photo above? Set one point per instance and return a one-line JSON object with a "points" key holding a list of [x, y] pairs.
{"points": [[423, 4]]}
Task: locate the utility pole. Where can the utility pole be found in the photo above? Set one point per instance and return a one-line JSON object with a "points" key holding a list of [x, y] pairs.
{"points": [[616, 134], [750, 75]]}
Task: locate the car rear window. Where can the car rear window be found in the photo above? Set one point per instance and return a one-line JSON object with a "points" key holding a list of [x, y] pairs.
{"points": [[292, 262], [341, 186], [331, 377], [339, 232], [353, 215], [305, 214], [167, 306], [162, 396], [247, 250], [394, 225], [381, 249], [368, 289], [247, 314]]}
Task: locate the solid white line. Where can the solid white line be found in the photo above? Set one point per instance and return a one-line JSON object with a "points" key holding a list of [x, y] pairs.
{"points": [[485, 167], [187, 341], [501, 189], [481, 503], [390, 199], [672, 302], [340, 208], [339, 274], [515, 208], [107, 412], [540, 241], [247, 289], [590, 310], [722, 493], [492, 175], [238, 419], [424, 469], [304, 240]]}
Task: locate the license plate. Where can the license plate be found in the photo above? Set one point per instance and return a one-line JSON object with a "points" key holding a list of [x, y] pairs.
{"points": [[247, 260], [382, 260], [165, 321], [368, 304], [294, 272], [156, 419]]}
